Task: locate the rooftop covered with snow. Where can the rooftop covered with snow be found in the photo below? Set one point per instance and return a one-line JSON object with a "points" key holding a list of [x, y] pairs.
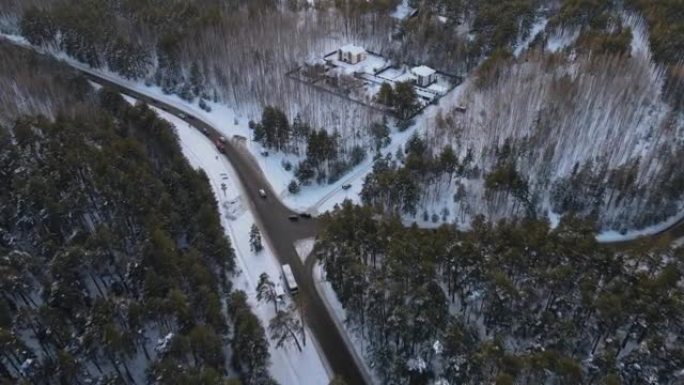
{"points": [[423, 71], [353, 49]]}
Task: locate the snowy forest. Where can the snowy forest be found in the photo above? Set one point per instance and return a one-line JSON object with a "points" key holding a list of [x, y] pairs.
{"points": [[471, 256], [114, 268], [514, 302], [589, 132], [620, 59]]}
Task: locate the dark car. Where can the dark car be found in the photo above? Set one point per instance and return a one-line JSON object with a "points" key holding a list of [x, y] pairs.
{"points": [[346, 186], [293, 217], [205, 131], [220, 146], [305, 215]]}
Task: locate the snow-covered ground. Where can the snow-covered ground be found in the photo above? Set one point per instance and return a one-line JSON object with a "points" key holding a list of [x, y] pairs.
{"points": [[370, 65], [615, 236], [288, 365], [304, 247], [402, 11], [537, 28], [562, 38]]}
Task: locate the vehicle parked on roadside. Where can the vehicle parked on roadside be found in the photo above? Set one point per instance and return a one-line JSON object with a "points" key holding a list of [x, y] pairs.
{"points": [[262, 193], [293, 218], [280, 293], [290, 279]]}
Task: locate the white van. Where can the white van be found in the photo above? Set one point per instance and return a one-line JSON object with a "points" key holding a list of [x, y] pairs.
{"points": [[290, 279]]}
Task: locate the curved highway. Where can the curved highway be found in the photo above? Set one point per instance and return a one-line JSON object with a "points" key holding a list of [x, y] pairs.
{"points": [[280, 232]]}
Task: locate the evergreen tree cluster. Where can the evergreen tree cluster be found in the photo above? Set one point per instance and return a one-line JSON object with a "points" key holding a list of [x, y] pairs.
{"points": [[33, 84], [84, 30], [113, 263], [397, 186], [402, 98], [506, 303], [326, 159], [136, 39], [505, 178], [249, 343], [274, 130]]}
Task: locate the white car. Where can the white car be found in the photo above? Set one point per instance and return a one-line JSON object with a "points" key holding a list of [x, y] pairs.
{"points": [[262, 193]]}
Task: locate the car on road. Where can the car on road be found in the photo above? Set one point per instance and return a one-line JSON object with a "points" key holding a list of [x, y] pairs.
{"points": [[305, 215], [280, 293], [289, 279], [346, 186], [182, 115], [262, 193], [222, 139], [219, 146], [205, 131], [293, 217]]}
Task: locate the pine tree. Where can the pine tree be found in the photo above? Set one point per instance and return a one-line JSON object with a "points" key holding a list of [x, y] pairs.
{"points": [[250, 348], [386, 94], [405, 99], [293, 187], [380, 133], [284, 327], [266, 290]]}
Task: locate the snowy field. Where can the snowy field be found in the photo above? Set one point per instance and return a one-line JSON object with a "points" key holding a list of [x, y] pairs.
{"points": [[288, 365]]}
